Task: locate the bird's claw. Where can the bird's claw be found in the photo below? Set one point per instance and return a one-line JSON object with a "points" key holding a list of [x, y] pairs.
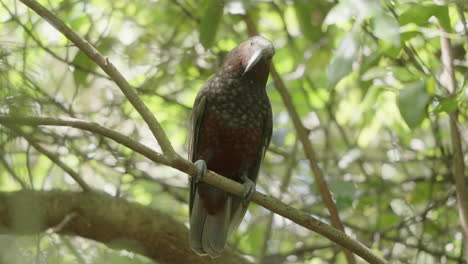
{"points": [[249, 190], [201, 170]]}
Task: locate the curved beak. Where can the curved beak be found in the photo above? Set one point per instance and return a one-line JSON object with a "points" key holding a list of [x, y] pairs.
{"points": [[258, 54]]}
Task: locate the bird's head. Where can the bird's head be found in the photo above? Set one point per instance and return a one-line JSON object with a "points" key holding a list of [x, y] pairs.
{"points": [[250, 60], [255, 50]]}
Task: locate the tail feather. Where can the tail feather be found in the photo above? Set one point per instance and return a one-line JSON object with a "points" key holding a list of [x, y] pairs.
{"points": [[209, 232], [238, 210], [197, 221]]}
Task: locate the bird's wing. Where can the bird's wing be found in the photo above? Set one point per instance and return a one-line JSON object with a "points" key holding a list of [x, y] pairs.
{"points": [[198, 114], [266, 135]]}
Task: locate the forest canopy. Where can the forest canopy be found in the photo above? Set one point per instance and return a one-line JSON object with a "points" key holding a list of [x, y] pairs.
{"points": [[370, 113]]}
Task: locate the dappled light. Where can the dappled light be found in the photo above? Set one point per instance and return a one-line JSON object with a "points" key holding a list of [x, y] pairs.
{"points": [[366, 162]]}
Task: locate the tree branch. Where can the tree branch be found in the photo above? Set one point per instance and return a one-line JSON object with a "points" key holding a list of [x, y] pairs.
{"points": [[458, 163], [270, 203], [110, 69], [91, 127], [115, 222]]}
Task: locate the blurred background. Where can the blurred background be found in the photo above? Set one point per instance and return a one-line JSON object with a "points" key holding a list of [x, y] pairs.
{"points": [[365, 76]]}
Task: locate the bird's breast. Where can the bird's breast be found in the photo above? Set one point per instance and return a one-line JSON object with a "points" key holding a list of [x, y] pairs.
{"points": [[231, 135], [239, 108], [227, 146]]}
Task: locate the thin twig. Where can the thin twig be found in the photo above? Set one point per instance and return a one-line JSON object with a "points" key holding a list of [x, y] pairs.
{"points": [[291, 162], [110, 69], [47, 49], [78, 255], [11, 171], [54, 158], [65, 221]]}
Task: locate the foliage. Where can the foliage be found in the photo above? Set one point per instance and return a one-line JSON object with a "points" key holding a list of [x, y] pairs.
{"points": [[365, 76]]}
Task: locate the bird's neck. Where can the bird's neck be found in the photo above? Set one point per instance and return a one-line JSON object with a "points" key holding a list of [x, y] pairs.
{"points": [[258, 74]]}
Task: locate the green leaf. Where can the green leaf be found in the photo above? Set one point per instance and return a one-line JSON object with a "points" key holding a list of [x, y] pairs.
{"points": [[348, 9], [339, 13], [419, 15], [407, 35], [366, 8], [344, 192], [343, 202], [442, 15], [342, 62], [212, 14], [79, 75], [401, 208], [388, 219], [81, 23], [82, 60], [342, 188], [253, 238], [446, 106], [412, 102], [375, 73], [416, 14], [404, 75], [387, 28], [304, 16], [371, 97], [388, 49]]}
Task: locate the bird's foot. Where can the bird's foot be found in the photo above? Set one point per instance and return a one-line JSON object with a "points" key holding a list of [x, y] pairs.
{"points": [[249, 190], [201, 170]]}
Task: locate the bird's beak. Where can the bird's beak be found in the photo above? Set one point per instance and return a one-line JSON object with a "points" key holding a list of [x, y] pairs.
{"points": [[258, 54]]}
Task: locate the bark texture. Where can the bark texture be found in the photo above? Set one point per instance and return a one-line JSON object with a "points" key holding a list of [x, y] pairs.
{"points": [[115, 222]]}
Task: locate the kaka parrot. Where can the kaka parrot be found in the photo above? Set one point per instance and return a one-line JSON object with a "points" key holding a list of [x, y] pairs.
{"points": [[230, 131]]}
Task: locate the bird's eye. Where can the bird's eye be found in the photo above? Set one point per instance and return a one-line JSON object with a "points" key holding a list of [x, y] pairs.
{"points": [[251, 43]]}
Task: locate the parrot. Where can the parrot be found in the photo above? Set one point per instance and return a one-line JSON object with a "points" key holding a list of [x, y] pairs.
{"points": [[230, 131]]}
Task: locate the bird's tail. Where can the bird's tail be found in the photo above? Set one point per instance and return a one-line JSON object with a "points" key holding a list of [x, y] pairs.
{"points": [[208, 232]]}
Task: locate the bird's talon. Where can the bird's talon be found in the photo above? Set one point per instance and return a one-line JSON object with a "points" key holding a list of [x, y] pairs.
{"points": [[201, 170], [249, 190]]}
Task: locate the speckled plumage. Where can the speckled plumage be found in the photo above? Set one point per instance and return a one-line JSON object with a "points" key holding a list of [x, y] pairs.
{"points": [[231, 129]]}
